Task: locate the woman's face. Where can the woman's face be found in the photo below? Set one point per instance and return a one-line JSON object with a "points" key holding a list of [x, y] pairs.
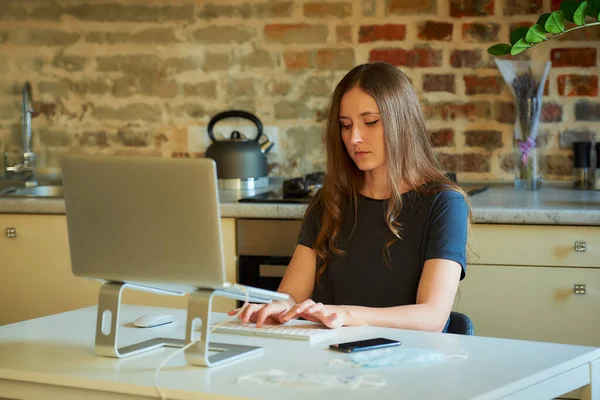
{"points": [[362, 129]]}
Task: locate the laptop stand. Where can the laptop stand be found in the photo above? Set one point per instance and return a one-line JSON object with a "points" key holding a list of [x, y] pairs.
{"points": [[199, 308]]}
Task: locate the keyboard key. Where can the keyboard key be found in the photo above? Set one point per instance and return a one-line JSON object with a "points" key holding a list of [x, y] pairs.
{"points": [[308, 332]]}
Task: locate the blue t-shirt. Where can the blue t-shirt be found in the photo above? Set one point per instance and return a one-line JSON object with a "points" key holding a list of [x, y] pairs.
{"points": [[434, 224]]}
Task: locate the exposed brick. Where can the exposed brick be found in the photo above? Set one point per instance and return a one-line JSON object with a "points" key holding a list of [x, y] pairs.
{"points": [[3, 36], [466, 59], [566, 138], [54, 137], [557, 164], [505, 112], [223, 34], [241, 87], [181, 64], [488, 139], [551, 112], [295, 33], [154, 35], [335, 59], [326, 10], [469, 162], [578, 85], [43, 108], [129, 64], [90, 86], [9, 111], [478, 32], [216, 61], [51, 12], [589, 34], [520, 7], [573, 57], [278, 87], [431, 30], [133, 137], [202, 89], [94, 139], [587, 111], [271, 9], [442, 137], [547, 87], [259, 58], [439, 83], [404, 7], [417, 57], [369, 8], [125, 86], [475, 84], [297, 60], [11, 12], [158, 86], [41, 37], [70, 63], [343, 33], [555, 4], [56, 88], [194, 110], [293, 110], [373, 33], [446, 110], [317, 86], [107, 37], [142, 111], [471, 8], [111, 12]]}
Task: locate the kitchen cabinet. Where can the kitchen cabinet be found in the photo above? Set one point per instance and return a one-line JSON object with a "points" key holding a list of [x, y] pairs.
{"points": [[37, 278], [534, 282]]}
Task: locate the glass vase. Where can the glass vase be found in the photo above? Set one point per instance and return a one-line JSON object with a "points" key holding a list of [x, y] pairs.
{"points": [[528, 171]]}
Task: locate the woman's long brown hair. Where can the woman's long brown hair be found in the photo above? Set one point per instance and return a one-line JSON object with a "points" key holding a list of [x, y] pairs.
{"points": [[410, 157]]}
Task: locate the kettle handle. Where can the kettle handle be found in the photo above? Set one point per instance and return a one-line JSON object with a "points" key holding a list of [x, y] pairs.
{"points": [[234, 113]]}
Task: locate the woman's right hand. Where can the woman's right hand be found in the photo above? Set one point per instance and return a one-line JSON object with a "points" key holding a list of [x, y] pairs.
{"points": [[258, 313]]}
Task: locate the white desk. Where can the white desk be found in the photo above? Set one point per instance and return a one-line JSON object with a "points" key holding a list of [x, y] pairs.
{"points": [[53, 358]]}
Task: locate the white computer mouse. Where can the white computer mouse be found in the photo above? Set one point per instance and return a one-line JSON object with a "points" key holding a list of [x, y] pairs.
{"points": [[152, 320]]}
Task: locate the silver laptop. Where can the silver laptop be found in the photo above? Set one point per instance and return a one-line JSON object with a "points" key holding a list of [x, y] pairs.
{"points": [[149, 221]]}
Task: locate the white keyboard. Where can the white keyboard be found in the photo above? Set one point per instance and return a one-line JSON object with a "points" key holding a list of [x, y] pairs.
{"points": [[294, 331]]}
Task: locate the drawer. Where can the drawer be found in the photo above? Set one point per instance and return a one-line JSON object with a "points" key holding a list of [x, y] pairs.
{"points": [[267, 237], [532, 303], [543, 245]]}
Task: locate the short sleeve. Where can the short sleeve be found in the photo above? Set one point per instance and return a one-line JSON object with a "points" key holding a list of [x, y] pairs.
{"points": [[309, 229], [448, 229]]}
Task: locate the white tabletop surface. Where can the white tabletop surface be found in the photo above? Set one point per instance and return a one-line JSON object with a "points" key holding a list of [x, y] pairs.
{"points": [[59, 350]]}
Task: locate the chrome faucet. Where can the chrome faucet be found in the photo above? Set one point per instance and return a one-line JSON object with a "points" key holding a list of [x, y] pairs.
{"points": [[27, 166]]}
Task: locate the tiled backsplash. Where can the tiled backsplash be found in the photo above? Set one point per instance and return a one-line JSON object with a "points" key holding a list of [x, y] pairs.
{"points": [[145, 77]]}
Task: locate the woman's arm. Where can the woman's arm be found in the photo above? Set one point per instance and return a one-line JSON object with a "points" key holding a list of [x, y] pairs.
{"points": [[298, 280], [437, 289]]}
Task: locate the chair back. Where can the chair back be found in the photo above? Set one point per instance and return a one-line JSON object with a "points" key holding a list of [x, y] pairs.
{"points": [[460, 324]]}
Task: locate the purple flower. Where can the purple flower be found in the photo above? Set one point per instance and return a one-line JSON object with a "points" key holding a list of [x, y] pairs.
{"points": [[526, 147]]}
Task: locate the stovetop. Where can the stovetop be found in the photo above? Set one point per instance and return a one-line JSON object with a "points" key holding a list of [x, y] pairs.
{"points": [[301, 189]]}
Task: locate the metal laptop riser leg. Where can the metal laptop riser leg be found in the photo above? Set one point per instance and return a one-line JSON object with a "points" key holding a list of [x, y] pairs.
{"points": [[199, 308], [107, 325]]}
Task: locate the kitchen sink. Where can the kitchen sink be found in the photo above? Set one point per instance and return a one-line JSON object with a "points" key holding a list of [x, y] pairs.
{"points": [[34, 191]]}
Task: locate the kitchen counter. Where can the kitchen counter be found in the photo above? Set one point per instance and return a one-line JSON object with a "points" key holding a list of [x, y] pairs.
{"points": [[554, 204]]}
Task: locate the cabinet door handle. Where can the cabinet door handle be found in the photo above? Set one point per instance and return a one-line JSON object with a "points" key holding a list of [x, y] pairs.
{"points": [[579, 288], [580, 245], [11, 233]]}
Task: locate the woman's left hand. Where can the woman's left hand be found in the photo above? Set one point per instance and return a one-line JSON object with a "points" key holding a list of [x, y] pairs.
{"points": [[330, 316]]}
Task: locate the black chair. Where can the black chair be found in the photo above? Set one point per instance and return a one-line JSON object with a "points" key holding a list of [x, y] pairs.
{"points": [[460, 324]]}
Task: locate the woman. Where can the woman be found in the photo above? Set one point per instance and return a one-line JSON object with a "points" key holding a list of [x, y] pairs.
{"points": [[383, 243]]}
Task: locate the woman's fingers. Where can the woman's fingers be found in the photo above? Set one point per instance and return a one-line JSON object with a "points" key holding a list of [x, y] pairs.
{"points": [[247, 314], [265, 312], [297, 310]]}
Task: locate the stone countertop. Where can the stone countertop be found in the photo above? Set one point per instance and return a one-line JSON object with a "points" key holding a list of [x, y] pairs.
{"points": [[554, 204]]}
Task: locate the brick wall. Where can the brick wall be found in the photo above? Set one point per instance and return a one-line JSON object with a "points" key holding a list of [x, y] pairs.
{"points": [[144, 77]]}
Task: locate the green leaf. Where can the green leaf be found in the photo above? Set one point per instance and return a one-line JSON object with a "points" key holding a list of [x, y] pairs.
{"points": [[500, 49], [579, 17], [518, 34], [520, 46], [536, 34], [542, 19], [556, 22], [568, 7]]}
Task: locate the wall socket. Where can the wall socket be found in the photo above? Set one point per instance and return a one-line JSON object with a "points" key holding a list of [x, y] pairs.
{"points": [[198, 140]]}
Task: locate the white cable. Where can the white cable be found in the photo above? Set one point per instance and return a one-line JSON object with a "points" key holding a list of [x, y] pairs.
{"points": [[193, 342]]}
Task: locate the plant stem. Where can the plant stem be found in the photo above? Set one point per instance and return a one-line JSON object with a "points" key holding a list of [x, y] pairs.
{"points": [[571, 29]]}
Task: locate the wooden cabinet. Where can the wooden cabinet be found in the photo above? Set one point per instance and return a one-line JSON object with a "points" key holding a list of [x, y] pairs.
{"points": [[534, 283], [36, 271]]}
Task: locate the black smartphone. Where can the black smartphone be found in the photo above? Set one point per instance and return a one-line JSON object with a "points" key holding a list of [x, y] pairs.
{"points": [[361, 345]]}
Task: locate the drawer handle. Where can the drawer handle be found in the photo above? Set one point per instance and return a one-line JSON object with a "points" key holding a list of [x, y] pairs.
{"points": [[580, 245], [11, 233], [579, 288]]}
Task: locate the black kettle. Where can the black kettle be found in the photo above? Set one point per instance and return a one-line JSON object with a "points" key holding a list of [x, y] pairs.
{"points": [[238, 157]]}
